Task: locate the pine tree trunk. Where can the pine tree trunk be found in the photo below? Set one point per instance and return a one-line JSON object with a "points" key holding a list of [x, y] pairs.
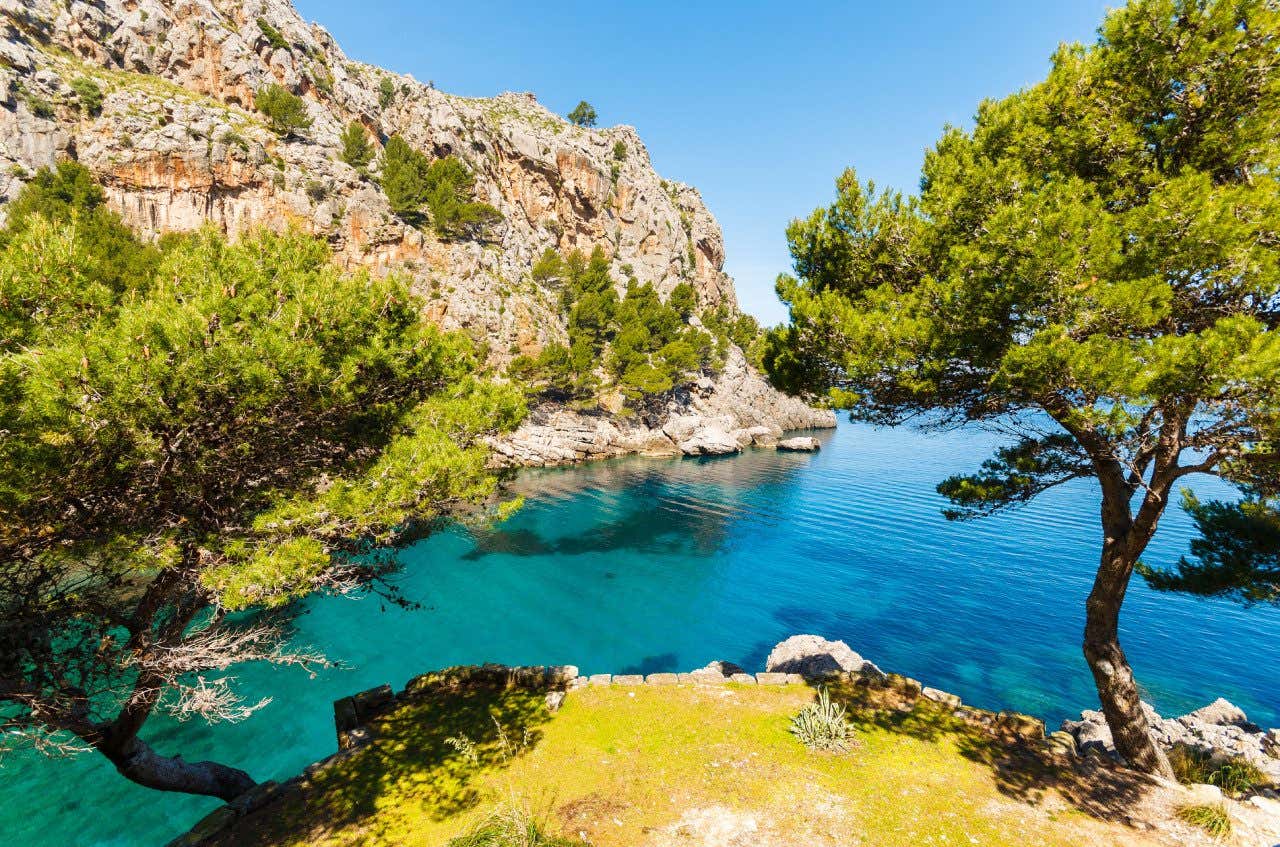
{"points": [[137, 762], [1117, 690]]}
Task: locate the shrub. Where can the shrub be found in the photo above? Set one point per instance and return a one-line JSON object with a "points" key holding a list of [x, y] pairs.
{"points": [[411, 181], [404, 174], [549, 267], [273, 35], [316, 190], [356, 149], [509, 827], [322, 79], [286, 111], [822, 725], [583, 114], [619, 151], [40, 107], [1213, 819], [89, 95], [386, 92], [1234, 776]]}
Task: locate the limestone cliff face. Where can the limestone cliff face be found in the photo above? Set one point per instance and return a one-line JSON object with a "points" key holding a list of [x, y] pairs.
{"points": [[178, 144]]}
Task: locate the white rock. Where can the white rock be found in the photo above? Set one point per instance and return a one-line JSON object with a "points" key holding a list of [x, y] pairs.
{"points": [[799, 444]]}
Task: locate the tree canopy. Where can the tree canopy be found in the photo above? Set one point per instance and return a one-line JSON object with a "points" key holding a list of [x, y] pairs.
{"points": [[1095, 267], [583, 114], [285, 111], [235, 430], [443, 186]]}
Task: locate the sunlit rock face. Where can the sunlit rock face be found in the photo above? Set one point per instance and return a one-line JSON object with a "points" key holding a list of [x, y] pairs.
{"points": [[178, 144]]}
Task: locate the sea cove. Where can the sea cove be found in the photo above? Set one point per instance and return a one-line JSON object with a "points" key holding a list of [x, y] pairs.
{"points": [[646, 565]]}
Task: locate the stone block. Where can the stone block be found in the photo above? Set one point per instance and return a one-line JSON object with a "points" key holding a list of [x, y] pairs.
{"points": [[628, 679], [767, 678], [744, 678], [601, 678], [943, 697], [1021, 726], [662, 679]]}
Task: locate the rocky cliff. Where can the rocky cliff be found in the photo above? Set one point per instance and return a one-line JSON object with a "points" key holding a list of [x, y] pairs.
{"points": [[177, 143]]}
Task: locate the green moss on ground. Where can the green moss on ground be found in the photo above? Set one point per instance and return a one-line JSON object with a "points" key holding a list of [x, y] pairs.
{"points": [[626, 765]]}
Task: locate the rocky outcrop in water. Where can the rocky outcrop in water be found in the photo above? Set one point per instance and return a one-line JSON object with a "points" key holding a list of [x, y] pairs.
{"points": [[177, 143], [815, 656]]}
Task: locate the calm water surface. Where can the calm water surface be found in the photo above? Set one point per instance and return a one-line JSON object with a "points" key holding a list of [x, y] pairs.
{"points": [[645, 565]]}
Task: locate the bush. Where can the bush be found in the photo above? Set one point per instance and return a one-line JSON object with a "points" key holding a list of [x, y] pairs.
{"points": [[273, 35], [40, 107], [356, 149], [822, 725], [286, 111], [509, 827], [1213, 819], [619, 151], [386, 92], [1234, 776], [411, 181], [89, 95], [583, 114]]}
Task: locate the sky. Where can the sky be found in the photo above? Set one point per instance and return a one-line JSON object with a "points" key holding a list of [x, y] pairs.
{"points": [[759, 105]]}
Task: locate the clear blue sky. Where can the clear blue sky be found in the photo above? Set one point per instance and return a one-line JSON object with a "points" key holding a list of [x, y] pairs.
{"points": [[759, 105]]}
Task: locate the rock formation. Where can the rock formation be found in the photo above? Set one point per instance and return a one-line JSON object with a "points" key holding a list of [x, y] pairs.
{"points": [[1219, 729], [177, 144], [814, 656]]}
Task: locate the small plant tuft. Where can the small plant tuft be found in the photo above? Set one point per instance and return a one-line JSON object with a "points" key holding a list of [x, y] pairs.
{"points": [[822, 725], [1195, 766], [509, 827], [1213, 819]]}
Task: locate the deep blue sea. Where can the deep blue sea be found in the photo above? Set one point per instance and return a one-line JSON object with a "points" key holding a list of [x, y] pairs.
{"points": [[644, 565]]}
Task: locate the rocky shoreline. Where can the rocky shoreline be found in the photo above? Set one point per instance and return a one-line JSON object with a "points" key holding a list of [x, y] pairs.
{"points": [[711, 417]]}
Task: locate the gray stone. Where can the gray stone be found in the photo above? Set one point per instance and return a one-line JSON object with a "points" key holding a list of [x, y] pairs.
{"points": [[709, 441], [744, 678], [662, 679], [799, 444], [722, 667], [767, 678], [601, 679], [554, 700], [939, 696], [813, 656], [628, 679]]}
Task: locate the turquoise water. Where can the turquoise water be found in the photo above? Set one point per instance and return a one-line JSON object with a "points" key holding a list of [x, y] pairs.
{"points": [[644, 565]]}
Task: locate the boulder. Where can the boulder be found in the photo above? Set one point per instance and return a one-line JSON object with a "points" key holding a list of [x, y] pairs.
{"points": [[814, 656], [1220, 712], [721, 667], [709, 441], [799, 444]]}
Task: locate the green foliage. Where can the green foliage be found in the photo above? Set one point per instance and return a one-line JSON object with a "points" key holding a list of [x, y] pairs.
{"points": [[40, 107], [273, 35], [737, 328], [822, 725], [1236, 556], [583, 114], [645, 345], [285, 111], [88, 94], [44, 276], [684, 300], [231, 429], [386, 92], [357, 150], [1213, 819], [1236, 777], [549, 268], [412, 181], [322, 78], [620, 151]]}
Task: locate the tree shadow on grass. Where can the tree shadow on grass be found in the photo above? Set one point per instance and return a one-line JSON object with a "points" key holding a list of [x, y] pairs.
{"points": [[1023, 769], [426, 758]]}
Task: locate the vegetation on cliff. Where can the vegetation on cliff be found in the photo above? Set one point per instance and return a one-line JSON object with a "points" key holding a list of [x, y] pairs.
{"points": [[1094, 266], [443, 186], [636, 343], [191, 432]]}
